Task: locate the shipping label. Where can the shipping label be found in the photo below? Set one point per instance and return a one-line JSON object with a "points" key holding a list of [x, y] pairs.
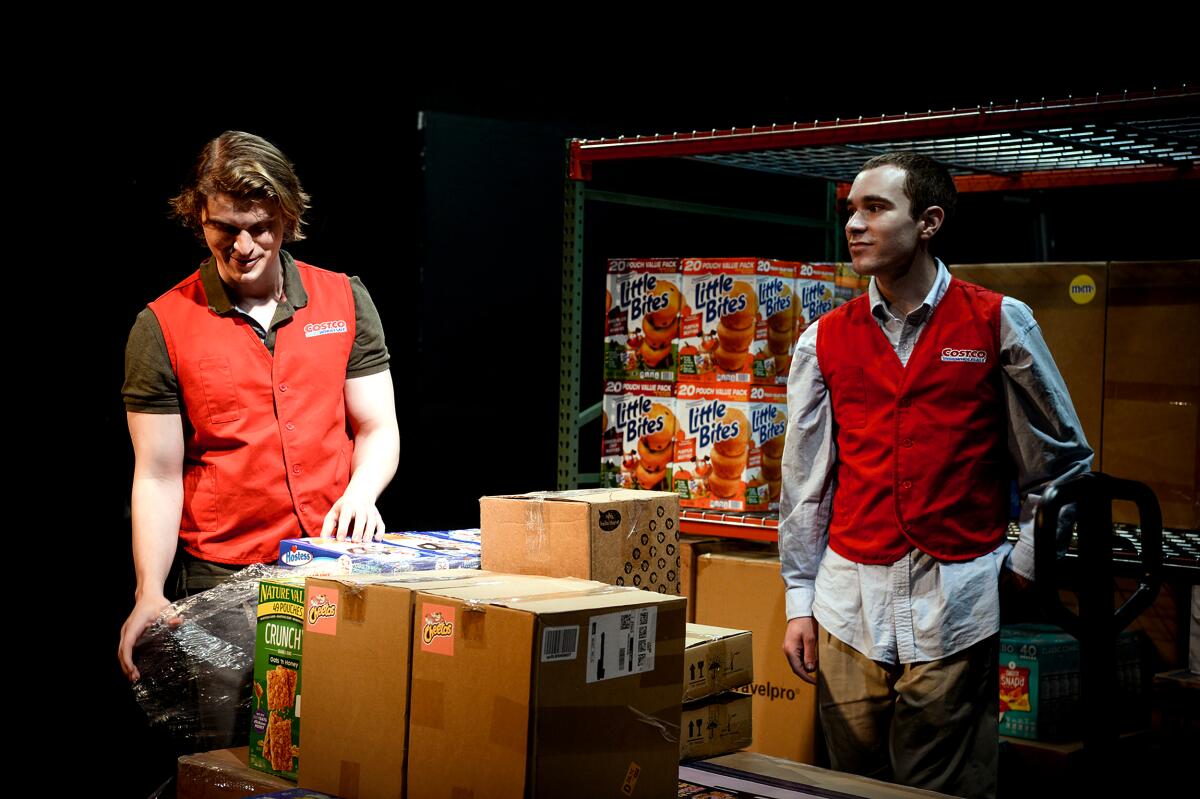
{"points": [[621, 644]]}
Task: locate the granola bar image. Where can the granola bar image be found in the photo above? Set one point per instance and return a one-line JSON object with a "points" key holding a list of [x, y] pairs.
{"points": [[277, 747], [281, 688]]}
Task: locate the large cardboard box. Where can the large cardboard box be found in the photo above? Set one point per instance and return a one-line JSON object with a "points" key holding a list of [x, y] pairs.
{"points": [[691, 548], [744, 590], [1152, 385], [536, 686], [617, 536], [716, 659], [715, 726], [1069, 302], [357, 656]]}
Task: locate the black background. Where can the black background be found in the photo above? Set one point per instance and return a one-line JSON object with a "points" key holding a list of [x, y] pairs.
{"points": [[445, 196]]}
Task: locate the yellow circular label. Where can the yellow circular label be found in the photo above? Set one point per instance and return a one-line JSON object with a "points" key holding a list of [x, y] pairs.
{"points": [[1083, 289]]}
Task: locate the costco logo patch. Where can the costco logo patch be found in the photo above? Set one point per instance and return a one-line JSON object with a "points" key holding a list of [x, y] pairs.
{"points": [[325, 328], [953, 354]]}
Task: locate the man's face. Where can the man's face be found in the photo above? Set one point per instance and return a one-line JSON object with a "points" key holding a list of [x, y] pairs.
{"points": [[881, 232], [244, 239]]}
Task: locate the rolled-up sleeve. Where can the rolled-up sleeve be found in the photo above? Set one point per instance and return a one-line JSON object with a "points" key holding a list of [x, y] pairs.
{"points": [[806, 496]]}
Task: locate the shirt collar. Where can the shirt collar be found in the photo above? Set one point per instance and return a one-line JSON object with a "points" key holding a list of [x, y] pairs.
{"points": [[220, 301], [881, 310]]}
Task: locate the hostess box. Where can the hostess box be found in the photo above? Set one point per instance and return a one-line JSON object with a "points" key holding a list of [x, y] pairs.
{"points": [[617, 536], [638, 445], [444, 551], [275, 723], [358, 648], [537, 686], [719, 320], [716, 659], [330, 556]]}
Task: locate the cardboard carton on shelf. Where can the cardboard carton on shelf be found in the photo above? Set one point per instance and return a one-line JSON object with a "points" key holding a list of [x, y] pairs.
{"points": [[617, 536], [716, 659]]}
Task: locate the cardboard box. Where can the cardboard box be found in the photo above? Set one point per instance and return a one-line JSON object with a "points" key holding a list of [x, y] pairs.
{"points": [[616, 536], [717, 465], [641, 319], [691, 548], [816, 293], [223, 774], [715, 660], [775, 329], [744, 590], [278, 641], [535, 686], [715, 726], [1069, 302], [638, 420], [1152, 385], [358, 648]]}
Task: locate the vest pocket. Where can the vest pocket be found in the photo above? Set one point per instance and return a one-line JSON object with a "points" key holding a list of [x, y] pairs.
{"points": [[199, 499], [220, 393], [850, 400]]}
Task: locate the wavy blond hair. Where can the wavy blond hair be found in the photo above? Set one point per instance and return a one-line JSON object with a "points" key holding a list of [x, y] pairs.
{"points": [[248, 168]]}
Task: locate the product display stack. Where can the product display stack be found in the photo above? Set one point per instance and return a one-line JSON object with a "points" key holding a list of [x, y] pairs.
{"points": [[716, 721]]}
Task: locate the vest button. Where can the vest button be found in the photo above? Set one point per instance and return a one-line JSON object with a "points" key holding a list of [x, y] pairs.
{"points": [[303, 508], [290, 426], [906, 442], [296, 469], [283, 386], [906, 484]]}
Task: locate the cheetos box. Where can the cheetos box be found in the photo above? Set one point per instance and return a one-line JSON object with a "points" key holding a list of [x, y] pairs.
{"points": [[357, 655], [638, 419], [536, 686], [641, 319], [719, 319], [717, 465], [614, 535]]}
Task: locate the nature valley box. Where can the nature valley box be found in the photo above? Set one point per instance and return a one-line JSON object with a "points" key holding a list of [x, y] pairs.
{"points": [[275, 723], [358, 645], [617, 536], [554, 687]]}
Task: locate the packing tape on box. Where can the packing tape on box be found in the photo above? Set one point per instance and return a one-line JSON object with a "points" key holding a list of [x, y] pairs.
{"points": [[348, 778], [510, 724], [430, 710], [478, 603], [669, 731], [535, 529]]}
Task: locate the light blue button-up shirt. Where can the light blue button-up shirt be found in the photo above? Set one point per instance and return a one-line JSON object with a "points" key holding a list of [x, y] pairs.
{"points": [[918, 608]]}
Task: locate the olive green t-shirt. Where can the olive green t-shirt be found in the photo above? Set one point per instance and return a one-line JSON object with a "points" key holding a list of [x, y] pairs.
{"points": [[150, 383]]}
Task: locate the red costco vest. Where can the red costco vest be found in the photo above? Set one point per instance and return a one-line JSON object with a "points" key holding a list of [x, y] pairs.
{"points": [[266, 448], [922, 456]]}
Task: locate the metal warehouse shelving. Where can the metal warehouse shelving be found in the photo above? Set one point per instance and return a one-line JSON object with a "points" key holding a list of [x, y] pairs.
{"points": [[1133, 137]]}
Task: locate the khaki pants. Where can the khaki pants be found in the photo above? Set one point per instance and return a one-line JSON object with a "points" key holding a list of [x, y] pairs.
{"points": [[928, 725]]}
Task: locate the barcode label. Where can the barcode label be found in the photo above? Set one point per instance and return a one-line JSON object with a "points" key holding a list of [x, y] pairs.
{"points": [[560, 643], [621, 644]]}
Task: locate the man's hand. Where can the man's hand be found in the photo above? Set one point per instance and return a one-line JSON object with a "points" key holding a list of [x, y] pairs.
{"points": [[145, 611], [800, 647], [354, 517]]}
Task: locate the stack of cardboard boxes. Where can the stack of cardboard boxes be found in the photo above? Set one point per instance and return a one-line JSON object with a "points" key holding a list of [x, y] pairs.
{"points": [[716, 721]]}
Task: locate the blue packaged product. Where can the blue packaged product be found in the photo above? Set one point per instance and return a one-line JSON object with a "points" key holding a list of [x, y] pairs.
{"points": [[328, 556]]}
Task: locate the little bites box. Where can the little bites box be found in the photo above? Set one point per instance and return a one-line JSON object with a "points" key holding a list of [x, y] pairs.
{"points": [[768, 426], [639, 425], [816, 293], [775, 328], [718, 321], [641, 319], [616, 536], [714, 459], [275, 723], [533, 686]]}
